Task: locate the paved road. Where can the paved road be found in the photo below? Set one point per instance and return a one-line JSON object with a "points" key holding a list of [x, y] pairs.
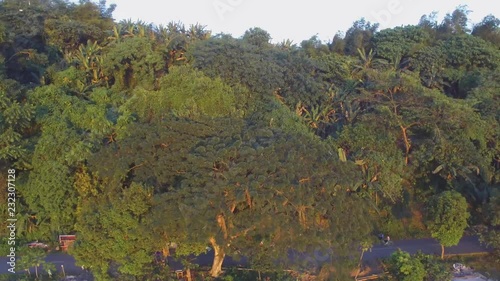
{"points": [[57, 258], [467, 245]]}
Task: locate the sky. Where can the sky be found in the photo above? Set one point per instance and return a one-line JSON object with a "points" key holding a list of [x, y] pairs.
{"points": [[295, 20]]}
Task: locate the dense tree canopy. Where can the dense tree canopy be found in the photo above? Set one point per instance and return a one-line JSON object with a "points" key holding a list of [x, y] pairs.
{"points": [[137, 137]]}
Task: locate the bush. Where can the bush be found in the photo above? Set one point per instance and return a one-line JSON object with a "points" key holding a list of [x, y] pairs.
{"points": [[436, 269], [404, 267]]}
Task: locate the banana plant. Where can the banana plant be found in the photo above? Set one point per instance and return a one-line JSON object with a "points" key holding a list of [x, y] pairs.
{"points": [[116, 33], [198, 32], [90, 60], [347, 107], [367, 59], [318, 117], [286, 45]]}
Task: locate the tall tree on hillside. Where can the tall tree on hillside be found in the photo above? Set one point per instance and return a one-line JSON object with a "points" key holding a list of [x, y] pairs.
{"points": [[455, 23], [257, 37], [399, 45], [488, 29], [313, 47], [429, 23], [452, 64], [359, 36]]}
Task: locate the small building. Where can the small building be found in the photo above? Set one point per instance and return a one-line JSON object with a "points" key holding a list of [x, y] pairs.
{"points": [[65, 241]]}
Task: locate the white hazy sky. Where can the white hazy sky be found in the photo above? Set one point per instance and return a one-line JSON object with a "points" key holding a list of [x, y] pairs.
{"points": [[295, 20]]}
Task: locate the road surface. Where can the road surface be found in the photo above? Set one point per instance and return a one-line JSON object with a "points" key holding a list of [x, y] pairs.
{"points": [[468, 245]]}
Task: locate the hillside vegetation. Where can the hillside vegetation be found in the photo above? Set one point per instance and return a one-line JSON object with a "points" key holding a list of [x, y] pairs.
{"points": [[134, 136]]}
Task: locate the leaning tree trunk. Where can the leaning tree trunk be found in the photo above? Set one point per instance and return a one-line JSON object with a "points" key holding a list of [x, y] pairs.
{"points": [[442, 251], [358, 271], [407, 143], [218, 258]]}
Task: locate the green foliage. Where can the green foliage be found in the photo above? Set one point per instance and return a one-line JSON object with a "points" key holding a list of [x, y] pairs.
{"points": [[132, 62], [185, 92], [447, 216], [381, 163], [337, 68], [264, 72], [258, 37], [454, 23], [465, 135], [359, 36], [81, 23], [22, 27], [135, 136], [33, 258], [490, 235], [430, 62], [110, 232], [487, 104], [189, 93], [237, 62], [70, 79], [404, 267], [398, 45], [468, 51], [392, 225], [66, 34], [435, 269], [70, 129], [15, 118], [278, 115], [488, 29], [313, 47]]}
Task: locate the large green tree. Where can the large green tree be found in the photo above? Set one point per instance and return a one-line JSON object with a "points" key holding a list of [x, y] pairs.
{"points": [[111, 236], [404, 267], [447, 216]]}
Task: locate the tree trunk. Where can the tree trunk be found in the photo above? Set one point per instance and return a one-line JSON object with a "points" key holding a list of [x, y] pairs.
{"points": [[407, 144], [188, 275], [442, 251], [218, 258], [359, 264]]}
